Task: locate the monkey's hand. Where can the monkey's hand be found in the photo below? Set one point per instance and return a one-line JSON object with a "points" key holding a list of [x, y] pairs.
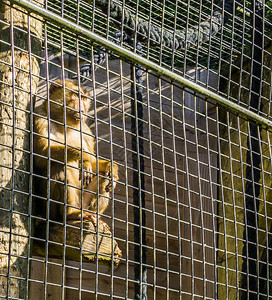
{"points": [[87, 172], [110, 171]]}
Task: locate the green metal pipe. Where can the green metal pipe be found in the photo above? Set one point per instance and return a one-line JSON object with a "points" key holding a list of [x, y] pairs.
{"points": [[160, 71]]}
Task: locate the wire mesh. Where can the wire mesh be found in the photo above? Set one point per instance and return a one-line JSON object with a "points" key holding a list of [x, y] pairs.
{"points": [[189, 212]]}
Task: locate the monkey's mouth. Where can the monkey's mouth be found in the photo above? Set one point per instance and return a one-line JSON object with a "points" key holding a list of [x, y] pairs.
{"points": [[77, 116]]}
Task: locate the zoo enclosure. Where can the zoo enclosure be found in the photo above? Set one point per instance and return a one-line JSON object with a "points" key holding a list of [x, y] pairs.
{"points": [[193, 195]]}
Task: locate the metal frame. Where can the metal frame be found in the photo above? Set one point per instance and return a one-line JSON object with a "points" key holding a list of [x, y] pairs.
{"points": [[160, 71]]}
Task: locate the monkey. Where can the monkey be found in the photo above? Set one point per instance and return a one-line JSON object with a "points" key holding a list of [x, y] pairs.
{"points": [[62, 134]]}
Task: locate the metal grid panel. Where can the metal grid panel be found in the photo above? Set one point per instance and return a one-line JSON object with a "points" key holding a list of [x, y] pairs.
{"points": [[191, 208]]}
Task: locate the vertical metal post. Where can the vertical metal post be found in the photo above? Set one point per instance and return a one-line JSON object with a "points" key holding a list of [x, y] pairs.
{"points": [[253, 159], [140, 272]]}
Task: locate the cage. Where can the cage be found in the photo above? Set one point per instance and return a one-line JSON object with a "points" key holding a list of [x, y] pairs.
{"points": [[135, 149]]}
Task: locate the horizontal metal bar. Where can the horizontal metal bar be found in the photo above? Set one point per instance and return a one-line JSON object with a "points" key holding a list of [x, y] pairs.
{"points": [[62, 22]]}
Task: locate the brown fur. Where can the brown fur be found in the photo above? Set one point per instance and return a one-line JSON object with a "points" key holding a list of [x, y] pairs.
{"points": [[76, 145]]}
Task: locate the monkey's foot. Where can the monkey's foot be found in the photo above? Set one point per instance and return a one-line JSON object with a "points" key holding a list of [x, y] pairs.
{"points": [[91, 217], [76, 215], [108, 186], [87, 178], [110, 172], [87, 173]]}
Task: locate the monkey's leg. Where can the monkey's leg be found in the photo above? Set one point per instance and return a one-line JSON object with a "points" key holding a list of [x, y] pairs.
{"points": [[97, 197], [108, 170], [91, 196], [74, 199]]}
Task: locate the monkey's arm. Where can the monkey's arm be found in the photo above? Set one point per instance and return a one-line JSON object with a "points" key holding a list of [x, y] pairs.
{"points": [[105, 168], [57, 150]]}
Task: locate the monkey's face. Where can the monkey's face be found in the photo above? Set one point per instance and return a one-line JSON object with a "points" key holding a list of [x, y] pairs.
{"points": [[76, 105], [75, 102]]}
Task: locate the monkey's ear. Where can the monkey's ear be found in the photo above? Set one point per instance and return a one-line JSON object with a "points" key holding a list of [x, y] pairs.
{"points": [[54, 86]]}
